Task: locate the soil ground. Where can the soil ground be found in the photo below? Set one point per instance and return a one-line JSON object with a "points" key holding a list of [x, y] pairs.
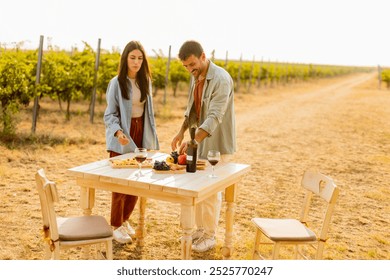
{"points": [[339, 126]]}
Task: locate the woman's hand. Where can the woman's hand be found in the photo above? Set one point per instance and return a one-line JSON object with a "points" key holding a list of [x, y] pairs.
{"points": [[122, 138]]}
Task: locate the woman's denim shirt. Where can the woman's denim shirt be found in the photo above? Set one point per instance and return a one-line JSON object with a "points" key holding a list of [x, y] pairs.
{"points": [[118, 117]]}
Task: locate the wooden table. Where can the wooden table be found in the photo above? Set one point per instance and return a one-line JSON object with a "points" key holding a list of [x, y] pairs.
{"points": [[187, 189]]}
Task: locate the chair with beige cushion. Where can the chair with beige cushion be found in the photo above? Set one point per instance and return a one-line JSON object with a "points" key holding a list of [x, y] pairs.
{"points": [[63, 233], [278, 232]]}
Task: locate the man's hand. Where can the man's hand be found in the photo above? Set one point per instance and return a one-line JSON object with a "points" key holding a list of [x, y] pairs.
{"points": [[177, 141], [183, 148]]}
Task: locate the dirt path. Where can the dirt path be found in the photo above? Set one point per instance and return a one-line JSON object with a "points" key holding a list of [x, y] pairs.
{"points": [[302, 106], [340, 130]]}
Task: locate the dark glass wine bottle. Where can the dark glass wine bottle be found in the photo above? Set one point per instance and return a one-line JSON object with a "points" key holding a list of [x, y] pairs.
{"points": [[192, 152]]}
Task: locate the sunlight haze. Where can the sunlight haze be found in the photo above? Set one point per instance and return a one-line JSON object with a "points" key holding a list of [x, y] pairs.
{"points": [[301, 31]]}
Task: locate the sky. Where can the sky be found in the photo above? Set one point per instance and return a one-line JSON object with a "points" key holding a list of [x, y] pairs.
{"points": [[333, 32]]}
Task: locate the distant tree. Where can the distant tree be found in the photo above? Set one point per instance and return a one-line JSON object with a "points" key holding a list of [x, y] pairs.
{"points": [[69, 77], [16, 86], [386, 77], [178, 74], [108, 68], [158, 67]]}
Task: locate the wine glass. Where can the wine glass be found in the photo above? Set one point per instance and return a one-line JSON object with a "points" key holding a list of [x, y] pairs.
{"points": [[213, 157], [140, 157]]}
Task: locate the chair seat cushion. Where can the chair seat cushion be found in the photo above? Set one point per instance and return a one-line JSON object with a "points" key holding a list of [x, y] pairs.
{"points": [[284, 229], [83, 228]]}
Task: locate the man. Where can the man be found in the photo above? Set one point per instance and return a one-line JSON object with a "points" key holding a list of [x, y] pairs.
{"points": [[210, 108]]}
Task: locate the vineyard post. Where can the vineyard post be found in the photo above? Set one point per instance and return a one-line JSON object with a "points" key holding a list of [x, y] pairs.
{"points": [[212, 55], [166, 75], [379, 76], [286, 74], [302, 67], [37, 81], [259, 74], [226, 59], [267, 76], [275, 75], [239, 74], [92, 112], [251, 74]]}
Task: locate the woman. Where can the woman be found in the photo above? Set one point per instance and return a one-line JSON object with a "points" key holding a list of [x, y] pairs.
{"points": [[129, 121]]}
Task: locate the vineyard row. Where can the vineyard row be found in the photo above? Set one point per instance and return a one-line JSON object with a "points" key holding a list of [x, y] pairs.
{"points": [[71, 76]]}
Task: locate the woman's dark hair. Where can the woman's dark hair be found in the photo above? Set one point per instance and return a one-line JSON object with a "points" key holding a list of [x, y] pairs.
{"points": [[190, 48], [143, 76]]}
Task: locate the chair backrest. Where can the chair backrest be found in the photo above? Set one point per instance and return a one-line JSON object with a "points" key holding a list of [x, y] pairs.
{"points": [[47, 191], [318, 184]]}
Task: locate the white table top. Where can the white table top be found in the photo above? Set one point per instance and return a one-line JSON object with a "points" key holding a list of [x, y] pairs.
{"points": [[196, 185]]}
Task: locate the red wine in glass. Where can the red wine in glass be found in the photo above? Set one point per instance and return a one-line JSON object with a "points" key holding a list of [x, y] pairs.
{"points": [[140, 159], [213, 157], [213, 161]]}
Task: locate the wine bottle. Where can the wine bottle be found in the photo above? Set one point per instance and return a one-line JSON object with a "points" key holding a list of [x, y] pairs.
{"points": [[192, 152]]}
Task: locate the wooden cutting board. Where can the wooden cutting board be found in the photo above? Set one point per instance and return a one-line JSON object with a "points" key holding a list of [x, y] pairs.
{"points": [[130, 163], [200, 164], [179, 171], [175, 169]]}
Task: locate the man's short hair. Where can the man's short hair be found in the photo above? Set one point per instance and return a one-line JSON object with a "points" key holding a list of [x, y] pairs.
{"points": [[190, 48]]}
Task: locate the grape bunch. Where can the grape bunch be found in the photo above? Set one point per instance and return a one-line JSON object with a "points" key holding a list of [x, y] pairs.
{"points": [[175, 156], [161, 165]]}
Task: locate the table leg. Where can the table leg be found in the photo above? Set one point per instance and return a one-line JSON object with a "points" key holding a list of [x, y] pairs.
{"points": [[187, 221], [87, 200], [230, 197], [140, 231]]}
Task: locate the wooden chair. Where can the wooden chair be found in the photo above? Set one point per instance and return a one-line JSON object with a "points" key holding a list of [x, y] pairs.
{"points": [[64, 233], [297, 232]]}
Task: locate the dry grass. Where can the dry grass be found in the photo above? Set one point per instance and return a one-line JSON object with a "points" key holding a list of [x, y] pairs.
{"points": [[340, 126]]}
